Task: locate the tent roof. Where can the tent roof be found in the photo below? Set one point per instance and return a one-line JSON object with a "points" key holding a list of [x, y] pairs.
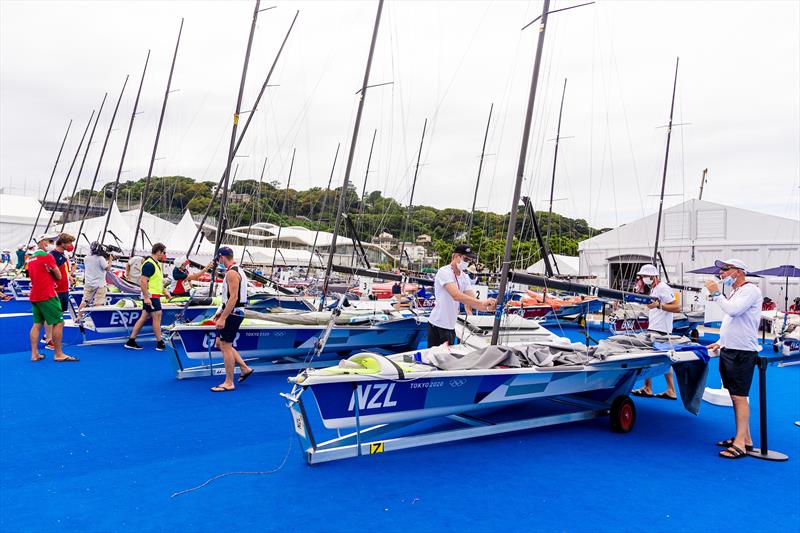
{"points": [[16, 209], [181, 237], [567, 265], [701, 222]]}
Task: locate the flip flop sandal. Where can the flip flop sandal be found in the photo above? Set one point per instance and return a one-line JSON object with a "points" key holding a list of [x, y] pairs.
{"points": [[221, 389], [67, 359], [641, 392], [728, 443], [734, 452], [245, 376], [665, 396]]}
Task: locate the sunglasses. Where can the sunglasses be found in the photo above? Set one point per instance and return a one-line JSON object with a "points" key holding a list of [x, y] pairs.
{"points": [[726, 268]]}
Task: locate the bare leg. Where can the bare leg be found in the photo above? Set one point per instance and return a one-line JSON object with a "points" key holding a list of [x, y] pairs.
{"points": [[647, 388], [157, 324], [48, 332], [229, 360], [58, 335], [243, 368], [741, 410], [36, 330], [140, 324], [670, 383]]}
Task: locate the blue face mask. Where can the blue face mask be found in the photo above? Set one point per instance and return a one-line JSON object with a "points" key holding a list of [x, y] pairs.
{"points": [[729, 281]]}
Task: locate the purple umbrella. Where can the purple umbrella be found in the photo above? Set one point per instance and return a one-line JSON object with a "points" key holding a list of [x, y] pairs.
{"points": [[714, 270], [783, 271], [705, 270]]}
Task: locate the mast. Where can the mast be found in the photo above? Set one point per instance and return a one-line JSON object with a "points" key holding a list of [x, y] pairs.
{"points": [[155, 144], [80, 168], [253, 212], [283, 209], [411, 200], [69, 172], [555, 160], [366, 176], [702, 183], [478, 181], [322, 211], [50, 181], [222, 222], [349, 166], [666, 160], [244, 131], [526, 132], [99, 162], [125, 147]]}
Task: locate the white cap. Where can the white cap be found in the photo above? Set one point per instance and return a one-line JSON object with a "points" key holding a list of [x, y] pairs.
{"points": [[47, 237], [647, 270], [736, 263], [180, 261], [21, 247]]}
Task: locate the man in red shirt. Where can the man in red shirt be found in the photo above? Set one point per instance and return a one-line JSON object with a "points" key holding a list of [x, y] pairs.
{"points": [[44, 274], [63, 242]]}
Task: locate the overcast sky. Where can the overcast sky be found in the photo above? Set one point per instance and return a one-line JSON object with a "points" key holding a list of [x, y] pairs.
{"points": [[738, 90]]}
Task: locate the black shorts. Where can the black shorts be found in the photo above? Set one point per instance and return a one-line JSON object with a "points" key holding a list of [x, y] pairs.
{"points": [[156, 305], [736, 369], [232, 324], [63, 297], [438, 336]]}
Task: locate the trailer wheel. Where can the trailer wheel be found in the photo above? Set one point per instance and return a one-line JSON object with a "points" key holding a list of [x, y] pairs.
{"points": [[694, 335], [623, 414]]}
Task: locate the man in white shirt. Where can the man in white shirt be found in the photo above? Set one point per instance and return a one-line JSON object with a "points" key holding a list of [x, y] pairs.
{"points": [[738, 346], [95, 266], [659, 320], [452, 287]]}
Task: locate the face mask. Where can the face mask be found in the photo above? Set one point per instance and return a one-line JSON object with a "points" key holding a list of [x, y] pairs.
{"points": [[50, 247], [70, 248], [462, 265], [647, 281], [729, 281]]}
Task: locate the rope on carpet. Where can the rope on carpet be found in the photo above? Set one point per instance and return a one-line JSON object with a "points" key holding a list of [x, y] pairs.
{"points": [[211, 480]]}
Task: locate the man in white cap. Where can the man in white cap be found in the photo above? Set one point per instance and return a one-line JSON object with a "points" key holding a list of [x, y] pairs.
{"points": [[659, 320], [452, 287], [738, 346]]}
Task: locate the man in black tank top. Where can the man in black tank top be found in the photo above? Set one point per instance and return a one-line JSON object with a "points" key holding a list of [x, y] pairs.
{"points": [[228, 320]]}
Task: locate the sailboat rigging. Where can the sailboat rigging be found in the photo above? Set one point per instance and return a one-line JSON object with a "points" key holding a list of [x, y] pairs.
{"points": [[125, 146], [155, 144]]}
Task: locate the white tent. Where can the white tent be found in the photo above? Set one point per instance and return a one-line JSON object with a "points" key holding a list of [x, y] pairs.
{"points": [[694, 234], [567, 265], [182, 236], [156, 229], [17, 215], [118, 232]]}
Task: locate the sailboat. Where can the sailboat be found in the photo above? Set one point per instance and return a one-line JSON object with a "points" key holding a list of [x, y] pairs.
{"points": [[483, 386]]}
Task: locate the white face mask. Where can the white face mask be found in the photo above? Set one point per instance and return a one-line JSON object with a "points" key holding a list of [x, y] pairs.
{"points": [[647, 281], [50, 247], [462, 265]]}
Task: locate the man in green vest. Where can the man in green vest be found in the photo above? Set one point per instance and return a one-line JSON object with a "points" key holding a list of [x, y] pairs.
{"points": [[152, 285]]}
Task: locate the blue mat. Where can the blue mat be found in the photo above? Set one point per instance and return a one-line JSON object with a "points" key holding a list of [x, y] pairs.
{"points": [[101, 445]]}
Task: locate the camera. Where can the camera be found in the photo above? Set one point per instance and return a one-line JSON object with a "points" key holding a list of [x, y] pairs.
{"points": [[104, 250]]}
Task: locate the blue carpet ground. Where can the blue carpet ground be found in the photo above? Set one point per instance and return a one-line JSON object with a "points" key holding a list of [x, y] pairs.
{"points": [[101, 445]]}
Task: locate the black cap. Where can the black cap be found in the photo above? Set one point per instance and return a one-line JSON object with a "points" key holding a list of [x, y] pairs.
{"points": [[465, 250]]}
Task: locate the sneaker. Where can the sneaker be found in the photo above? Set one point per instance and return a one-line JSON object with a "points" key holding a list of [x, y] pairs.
{"points": [[45, 340], [49, 346], [131, 345], [160, 346]]}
